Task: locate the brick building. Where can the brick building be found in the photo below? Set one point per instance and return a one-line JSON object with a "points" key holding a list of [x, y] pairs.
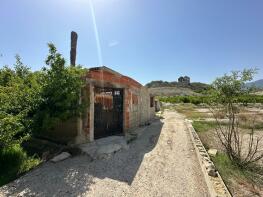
{"points": [[118, 105]]}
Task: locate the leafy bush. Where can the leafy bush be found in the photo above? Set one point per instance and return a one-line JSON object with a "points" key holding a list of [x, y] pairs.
{"points": [[35, 101], [19, 97], [32, 102], [13, 162], [61, 92], [228, 89]]}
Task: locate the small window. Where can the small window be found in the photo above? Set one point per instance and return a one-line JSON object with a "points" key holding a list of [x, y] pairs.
{"points": [[151, 101]]}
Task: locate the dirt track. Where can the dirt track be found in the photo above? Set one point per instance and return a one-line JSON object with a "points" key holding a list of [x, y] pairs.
{"points": [[161, 162]]}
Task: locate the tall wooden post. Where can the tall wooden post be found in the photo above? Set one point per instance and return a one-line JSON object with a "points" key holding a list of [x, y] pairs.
{"points": [[73, 49]]}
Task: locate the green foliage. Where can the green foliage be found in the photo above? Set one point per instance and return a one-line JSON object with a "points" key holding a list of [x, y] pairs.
{"points": [[203, 126], [13, 162], [61, 92], [231, 87], [160, 83], [35, 101], [19, 95], [227, 169], [10, 127], [185, 99], [196, 86], [32, 102], [227, 90], [21, 70], [231, 172], [243, 99], [199, 87]]}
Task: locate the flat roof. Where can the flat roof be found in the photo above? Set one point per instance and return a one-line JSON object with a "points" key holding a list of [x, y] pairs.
{"points": [[105, 68]]}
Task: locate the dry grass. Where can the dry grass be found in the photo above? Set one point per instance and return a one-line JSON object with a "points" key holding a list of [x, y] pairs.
{"points": [[251, 120], [241, 182], [190, 111], [248, 182], [172, 91], [220, 114]]}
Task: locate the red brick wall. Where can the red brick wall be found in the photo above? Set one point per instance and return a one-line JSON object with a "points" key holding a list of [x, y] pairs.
{"points": [[110, 77], [106, 76], [127, 98]]}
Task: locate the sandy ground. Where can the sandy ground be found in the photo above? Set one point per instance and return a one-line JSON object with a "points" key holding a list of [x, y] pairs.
{"points": [[161, 162]]}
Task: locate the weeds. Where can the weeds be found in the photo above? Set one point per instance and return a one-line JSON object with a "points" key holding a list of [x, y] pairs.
{"points": [[13, 162], [189, 111], [231, 172], [203, 126]]}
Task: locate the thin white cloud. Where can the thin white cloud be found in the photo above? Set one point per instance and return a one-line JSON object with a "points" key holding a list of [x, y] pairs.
{"points": [[113, 43]]}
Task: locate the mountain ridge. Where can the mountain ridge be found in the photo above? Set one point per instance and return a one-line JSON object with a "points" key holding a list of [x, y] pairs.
{"points": [[257, 84]]}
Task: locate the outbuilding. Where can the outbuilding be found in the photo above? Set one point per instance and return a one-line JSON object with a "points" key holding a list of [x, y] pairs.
{"points": [[117, 105]]}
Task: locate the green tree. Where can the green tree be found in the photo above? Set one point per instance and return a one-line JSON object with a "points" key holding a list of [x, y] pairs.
{"points": [[21, 70], [227, 90], [19, 97], [61, 92]]}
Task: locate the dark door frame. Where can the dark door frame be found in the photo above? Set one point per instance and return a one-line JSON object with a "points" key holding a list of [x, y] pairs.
{"points": [[109, 126]]}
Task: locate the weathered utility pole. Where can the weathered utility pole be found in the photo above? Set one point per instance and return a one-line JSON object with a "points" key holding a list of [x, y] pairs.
{"points": [[73, 49]]}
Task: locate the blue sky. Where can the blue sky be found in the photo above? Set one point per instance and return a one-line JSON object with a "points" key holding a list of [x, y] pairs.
{"points": [[145, 39]]}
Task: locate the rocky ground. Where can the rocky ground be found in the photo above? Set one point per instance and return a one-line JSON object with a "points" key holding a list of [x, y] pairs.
{"points": [[161, 162]]}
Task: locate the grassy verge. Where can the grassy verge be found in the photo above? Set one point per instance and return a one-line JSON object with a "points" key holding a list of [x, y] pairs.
{"points": [[234, 176], [13, 162], [203, 126], [188, 110], [251, 176], [227, 169]]}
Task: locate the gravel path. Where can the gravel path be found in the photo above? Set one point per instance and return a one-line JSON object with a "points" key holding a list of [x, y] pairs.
{"points": [[161, 162]]}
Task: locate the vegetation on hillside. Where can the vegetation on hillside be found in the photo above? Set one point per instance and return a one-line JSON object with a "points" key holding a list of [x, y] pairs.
{"points": [[224, 122], [32, 102], [256, 84], [196, 86], [244, 99]]}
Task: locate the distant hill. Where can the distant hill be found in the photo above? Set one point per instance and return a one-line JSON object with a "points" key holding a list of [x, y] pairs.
{"points": [[172, 91], [256, 84], [165, 88]]}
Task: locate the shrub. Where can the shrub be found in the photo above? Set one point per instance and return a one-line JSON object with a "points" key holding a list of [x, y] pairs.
{"points": [[185, 99], [60, 94], [32, 102], [228, 89], [13, 162], [196, 100], [19, 97]]}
